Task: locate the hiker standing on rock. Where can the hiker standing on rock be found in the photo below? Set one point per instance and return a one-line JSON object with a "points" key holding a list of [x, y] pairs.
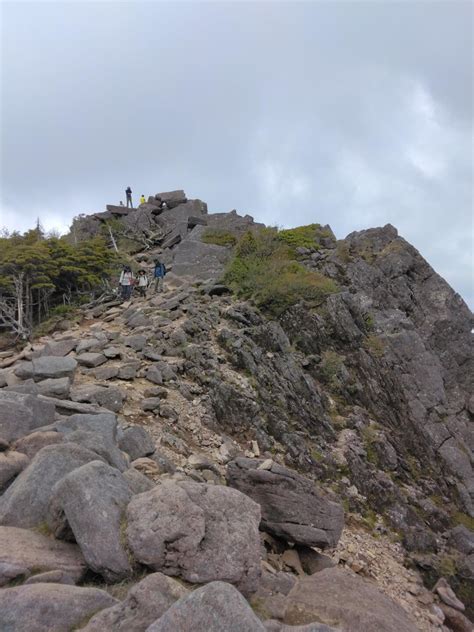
{"points": [[142, 199], [126, 283], [128, 193], [159, 274]]}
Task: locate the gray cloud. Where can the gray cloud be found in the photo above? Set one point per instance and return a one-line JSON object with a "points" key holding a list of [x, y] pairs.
{"points": [[352, 114]]}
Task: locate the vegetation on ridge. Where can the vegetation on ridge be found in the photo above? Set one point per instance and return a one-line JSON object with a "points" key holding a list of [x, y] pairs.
{"points": [[264, 269]]}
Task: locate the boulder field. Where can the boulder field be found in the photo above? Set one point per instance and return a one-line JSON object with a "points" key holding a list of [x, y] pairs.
{"points": [[185, 462]]}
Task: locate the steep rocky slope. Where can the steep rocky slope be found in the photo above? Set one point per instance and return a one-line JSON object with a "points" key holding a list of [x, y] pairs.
{"points": [[162, 434]]}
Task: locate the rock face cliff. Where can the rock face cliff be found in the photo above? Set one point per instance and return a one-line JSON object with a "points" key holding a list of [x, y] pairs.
{"points": [[191, 434]]}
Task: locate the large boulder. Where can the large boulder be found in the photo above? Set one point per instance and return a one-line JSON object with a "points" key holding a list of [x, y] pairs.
{"points": [[24, 552], [172, 198], [200, 260], [292, 507], [198, 532], [20, 414], [48, 607], [344, 600], [26, 501], [102, 446], [92, 499], [136, 442], [216, 607], [11, 464], [104, 424], [47, 367], [146, 602]]}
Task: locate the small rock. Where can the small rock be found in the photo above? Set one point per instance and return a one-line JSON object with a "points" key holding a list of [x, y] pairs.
{"points": [[91, 360]]}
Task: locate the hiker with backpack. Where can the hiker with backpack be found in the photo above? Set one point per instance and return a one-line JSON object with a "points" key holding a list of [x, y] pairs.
{"points": [[159, 275], [142, 283], [126, 283]]}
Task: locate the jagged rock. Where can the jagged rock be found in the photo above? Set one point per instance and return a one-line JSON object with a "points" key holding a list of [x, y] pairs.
{"points": [[137, 442], [139, 320], [338, 598], [136, 342], [106, 372], [11, 464], [215, 607], [151, 404], [26, 501], [60, 347], [24, 553], [462, 539], [128, 371], [91, 345], [148, 600], [21, 414], [109, 397], [32, 443], [49, 607], [312, 561], [200, 260], [177, 528], [137, 481], [55, 387], [154, 375], [172, 198], [92, 499], [91, 360], [47, 367], [291, 505]]}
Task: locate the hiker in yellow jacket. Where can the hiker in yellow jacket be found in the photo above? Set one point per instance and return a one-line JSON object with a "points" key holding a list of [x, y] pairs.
{"points": [[142, 199]]}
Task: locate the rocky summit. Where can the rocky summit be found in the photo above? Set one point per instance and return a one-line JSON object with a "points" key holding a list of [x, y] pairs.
{"points": [[282, 439]]}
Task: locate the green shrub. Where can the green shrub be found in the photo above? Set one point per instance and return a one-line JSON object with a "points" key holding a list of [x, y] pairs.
{"points": [[219, 237], [331, 364], [375, 345], [264, 270], [304, 236]]}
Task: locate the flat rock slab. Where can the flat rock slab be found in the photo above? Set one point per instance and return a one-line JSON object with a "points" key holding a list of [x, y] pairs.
{"points": [[20, 414], [47, 367], [341, 599], [60, 347], [26, 501], [55, 387], [91, 360], [93, 498], [146, 602], [292, 507], [24, 552], [48, 607], [198, 532], [216, 607]]}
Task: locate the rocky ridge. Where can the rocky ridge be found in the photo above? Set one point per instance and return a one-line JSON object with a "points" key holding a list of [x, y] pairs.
{"points": [[188, 436]]}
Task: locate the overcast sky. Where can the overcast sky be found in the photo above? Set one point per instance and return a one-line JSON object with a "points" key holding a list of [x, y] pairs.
{"points": [[354, 114]]}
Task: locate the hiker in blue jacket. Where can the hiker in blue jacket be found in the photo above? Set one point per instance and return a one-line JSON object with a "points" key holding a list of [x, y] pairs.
{"points": [[159, 275]]}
